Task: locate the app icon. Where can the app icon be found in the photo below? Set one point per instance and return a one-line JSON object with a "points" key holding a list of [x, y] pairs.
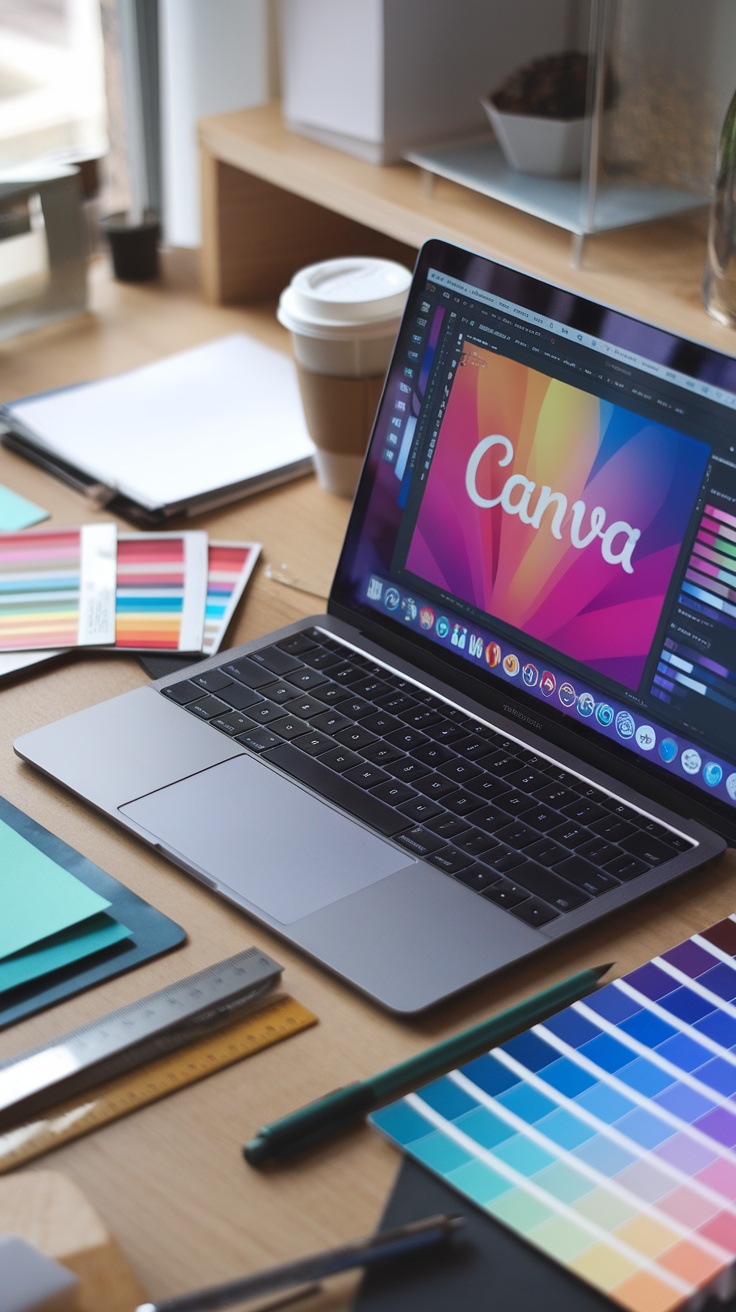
{"points": [[392, 597], [409, 609], [646, 738], [690, 760], [712, 773], [375, 589], [586, 704], [511, 666], [459, 636], [731, 787], [625, 727], [567, 694], [443, 626], [604, 714], [547, 683], [493, 654], [426, 617], [530, 675], [668, 749]]}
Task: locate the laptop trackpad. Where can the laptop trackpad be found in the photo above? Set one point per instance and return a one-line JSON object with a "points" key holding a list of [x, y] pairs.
{"points": [[265, 838]]}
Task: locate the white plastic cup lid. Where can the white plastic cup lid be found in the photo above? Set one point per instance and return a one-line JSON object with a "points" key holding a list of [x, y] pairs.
{"points": [[352, 297]]}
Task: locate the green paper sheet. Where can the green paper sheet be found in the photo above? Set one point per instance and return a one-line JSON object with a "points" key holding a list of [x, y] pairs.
{"points": [[64, 949], [37, 896]]}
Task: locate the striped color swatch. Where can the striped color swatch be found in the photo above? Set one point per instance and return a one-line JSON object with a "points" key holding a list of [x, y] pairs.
{"points": [[606, 1136], [161, 591], [57, 587], [230, 565]]}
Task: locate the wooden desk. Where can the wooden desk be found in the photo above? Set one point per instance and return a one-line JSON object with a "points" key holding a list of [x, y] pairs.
{"points": [[169, 1180]]}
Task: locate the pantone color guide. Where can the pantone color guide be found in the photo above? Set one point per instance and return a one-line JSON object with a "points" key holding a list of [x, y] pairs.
{"points": [[161, 591], [57, 587], [606, 1136], [229, 568]]}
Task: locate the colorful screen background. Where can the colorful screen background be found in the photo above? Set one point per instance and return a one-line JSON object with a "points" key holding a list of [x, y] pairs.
{"points": [[573, 600]]}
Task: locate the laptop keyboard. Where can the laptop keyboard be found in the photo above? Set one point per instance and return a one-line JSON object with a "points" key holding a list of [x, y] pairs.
{"points": [[522, 831]]}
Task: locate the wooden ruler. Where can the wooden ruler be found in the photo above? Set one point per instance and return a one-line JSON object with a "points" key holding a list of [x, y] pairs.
{"points": [[126, 1093]]}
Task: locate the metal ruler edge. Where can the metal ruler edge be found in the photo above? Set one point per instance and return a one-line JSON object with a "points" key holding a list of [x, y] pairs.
{"points": [[146, 1084]]}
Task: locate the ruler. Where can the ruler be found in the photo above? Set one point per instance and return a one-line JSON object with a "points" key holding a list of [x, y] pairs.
{"points": [[126, 1093], [142, 1031]]}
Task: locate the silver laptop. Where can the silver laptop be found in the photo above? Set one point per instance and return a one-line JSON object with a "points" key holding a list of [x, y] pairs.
{"points": [[519, 712]]}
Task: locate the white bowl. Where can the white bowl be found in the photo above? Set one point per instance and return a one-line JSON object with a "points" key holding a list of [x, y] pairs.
{"points": [[548, 147]]}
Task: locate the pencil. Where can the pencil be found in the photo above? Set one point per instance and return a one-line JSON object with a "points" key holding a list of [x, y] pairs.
{"points": [[400, 1242], [341, 1108]]}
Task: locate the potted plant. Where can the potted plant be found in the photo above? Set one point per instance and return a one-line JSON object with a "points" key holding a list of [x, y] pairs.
{"points": [[539, 114]]}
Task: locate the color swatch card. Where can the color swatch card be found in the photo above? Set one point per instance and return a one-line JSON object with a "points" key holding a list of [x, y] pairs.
{"points": [[606, 1136], [230, 565], [57, 587], [161, 591]]}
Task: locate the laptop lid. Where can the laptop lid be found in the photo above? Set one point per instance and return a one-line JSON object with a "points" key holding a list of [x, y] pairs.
{"points": [[547, 519]]}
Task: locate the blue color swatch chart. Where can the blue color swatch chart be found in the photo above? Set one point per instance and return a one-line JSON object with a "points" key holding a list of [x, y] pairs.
{"points": [[606, 1136]]}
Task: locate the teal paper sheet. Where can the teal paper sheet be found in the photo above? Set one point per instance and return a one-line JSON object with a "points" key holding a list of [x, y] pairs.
{"points": [[60, 950], [38, 896], [17, 512], [151, 933]]}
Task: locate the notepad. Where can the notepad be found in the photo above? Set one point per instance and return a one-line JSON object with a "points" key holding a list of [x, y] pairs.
{"points": [[195, 429], [606, 1136]]}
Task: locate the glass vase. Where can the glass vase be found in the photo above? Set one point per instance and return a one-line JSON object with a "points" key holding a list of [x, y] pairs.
{"points": [[719, 279]]}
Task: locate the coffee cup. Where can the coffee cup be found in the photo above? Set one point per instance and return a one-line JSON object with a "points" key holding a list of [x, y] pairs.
{"points": [[343, 316]]}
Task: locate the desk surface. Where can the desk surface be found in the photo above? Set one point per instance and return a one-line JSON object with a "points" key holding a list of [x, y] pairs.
{"points": [[169, 1180]]}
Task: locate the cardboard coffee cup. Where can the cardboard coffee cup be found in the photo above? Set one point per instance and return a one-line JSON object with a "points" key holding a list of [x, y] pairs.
{"points": [[343, 316]]}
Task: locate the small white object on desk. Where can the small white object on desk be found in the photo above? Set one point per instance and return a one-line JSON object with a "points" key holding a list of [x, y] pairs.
{"points": [[32, 1282]]}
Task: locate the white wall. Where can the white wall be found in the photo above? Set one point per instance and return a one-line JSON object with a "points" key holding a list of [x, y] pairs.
{"points": [[215, 56]]}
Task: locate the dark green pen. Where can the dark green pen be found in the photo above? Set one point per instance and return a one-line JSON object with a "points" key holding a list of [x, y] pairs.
{"points": [[341, 1108]]}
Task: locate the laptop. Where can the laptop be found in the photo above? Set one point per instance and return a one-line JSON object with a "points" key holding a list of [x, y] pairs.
{"points": [[518, 714]]}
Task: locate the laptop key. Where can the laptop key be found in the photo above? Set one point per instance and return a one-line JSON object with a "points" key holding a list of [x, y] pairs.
{"points": [[649, 849], [543, 883], [239, 695], [246, 671], [451, 860], [275, 659], [419, 840], [381, 753], [212, 680], [336, 788], [207, 708], [258, 739], [297, 644], [340, 758], [534, 912], [505, 894], [232, 723], [421, 809], [305, 679], [368, 776], [181, 693], [450, 827], [393, 792], [626, 866], [314, 743], [478, 877], [585, 876]]}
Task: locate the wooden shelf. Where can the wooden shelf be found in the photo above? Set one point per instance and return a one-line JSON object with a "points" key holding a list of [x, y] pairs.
{"points": [[273, 201]]}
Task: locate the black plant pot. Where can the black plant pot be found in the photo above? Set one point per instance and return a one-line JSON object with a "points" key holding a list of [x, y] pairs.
{"points": [[134, 247]]}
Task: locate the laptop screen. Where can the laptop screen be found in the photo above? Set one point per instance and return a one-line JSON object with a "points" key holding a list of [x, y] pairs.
{"points": [[548, 507]]}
